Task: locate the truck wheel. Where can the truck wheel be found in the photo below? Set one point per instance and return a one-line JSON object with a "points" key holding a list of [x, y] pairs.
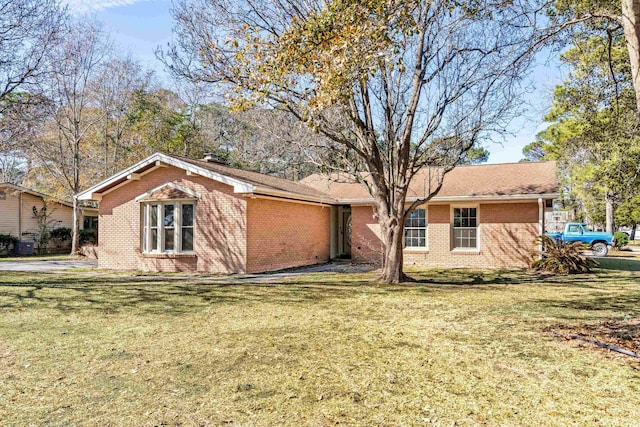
{"points": [[600, 249]]}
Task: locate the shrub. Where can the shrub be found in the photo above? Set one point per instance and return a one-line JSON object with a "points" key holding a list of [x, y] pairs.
{"points": [[7, 241], [563, 257], [620, 240], [88, 236], [61, 234]]}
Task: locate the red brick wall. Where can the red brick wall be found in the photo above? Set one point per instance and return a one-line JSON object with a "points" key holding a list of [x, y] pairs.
{"points": [[366, 245], [507, 237], [219, 235], [283, 234]]}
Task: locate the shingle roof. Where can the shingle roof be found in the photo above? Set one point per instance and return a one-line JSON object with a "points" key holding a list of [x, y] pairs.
{"points": [[499, 180], [483, 181], [258, 179]]}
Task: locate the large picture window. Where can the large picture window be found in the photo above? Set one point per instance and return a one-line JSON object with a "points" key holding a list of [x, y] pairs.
{"points": [[415, 229], [167, 227], [465, 228]]}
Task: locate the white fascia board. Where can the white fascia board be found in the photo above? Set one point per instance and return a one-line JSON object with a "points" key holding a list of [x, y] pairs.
{"points": [[93, 193], [503, 198]]}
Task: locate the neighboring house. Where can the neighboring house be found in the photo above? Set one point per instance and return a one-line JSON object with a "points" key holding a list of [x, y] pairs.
{"points": [[16, 211], [171, 213]]}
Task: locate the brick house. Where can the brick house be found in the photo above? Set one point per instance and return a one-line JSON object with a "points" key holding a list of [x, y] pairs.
{"points": [[171, 213]]}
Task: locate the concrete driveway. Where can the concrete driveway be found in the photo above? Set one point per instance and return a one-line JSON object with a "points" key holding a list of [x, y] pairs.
{"points": [[46, 266], [59, 266]]}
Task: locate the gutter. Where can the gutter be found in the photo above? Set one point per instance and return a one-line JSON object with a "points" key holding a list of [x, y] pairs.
{"points": [[497, 198]]}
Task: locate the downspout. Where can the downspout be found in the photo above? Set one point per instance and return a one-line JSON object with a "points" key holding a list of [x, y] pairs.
{"points": [[540, 225]]}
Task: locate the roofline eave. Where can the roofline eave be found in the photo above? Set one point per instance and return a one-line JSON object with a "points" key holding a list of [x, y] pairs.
{"points": [[289, 195], [486, 198]]}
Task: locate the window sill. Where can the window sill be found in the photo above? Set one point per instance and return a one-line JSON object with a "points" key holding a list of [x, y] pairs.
{"points": [[459, 251], [168, 255], [415, 250]]}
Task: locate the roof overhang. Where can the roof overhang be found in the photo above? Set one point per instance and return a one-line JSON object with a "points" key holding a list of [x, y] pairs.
{"points": [[462, 199], [292, 196]]}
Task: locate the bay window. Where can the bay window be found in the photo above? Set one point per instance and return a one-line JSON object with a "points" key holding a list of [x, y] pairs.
{"points": [[167, 227]]}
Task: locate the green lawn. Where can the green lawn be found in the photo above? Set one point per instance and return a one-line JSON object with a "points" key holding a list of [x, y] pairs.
{"points": [[455, 348]]}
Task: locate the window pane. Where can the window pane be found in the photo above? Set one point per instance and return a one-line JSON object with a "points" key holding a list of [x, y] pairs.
{"points": [[168, 215], [168, 238], [414, 219], [187, 239], [154, 215], [154, 239], [187, 215]]}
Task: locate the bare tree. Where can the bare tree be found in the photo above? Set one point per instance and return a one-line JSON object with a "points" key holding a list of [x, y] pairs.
{"points": [[28, 31], [74, 63], [20, 124], [278, 144], [111, 91], [393, 86]]}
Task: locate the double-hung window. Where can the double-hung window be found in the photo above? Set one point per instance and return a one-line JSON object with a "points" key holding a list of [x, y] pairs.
{"points": [[167, 227], [415, 229], [465, 228]]}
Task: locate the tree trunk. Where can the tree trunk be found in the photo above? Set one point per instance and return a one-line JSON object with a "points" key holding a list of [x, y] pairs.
{"points": [[75, 234], [631, 26], [392, 261], [609, 213], [632, 235], [390, 212]]}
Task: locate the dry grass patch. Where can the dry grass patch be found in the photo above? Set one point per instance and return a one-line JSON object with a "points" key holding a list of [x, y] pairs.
{"points": [[460, 347]]}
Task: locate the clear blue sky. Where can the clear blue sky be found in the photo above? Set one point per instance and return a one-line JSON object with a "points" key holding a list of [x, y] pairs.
{"points": [[140, 26]]}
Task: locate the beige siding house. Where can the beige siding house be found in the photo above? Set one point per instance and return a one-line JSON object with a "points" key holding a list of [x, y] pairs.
{"points": [[16, 211], [171, 213]]}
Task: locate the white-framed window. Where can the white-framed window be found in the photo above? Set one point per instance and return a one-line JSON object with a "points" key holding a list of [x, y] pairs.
{"points": [[167, 227], [415, 229], [465, 228]]}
